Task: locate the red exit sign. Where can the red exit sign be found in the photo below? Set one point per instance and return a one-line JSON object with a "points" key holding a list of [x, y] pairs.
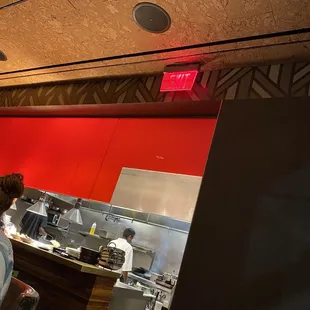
{"points": [[178, 81]]}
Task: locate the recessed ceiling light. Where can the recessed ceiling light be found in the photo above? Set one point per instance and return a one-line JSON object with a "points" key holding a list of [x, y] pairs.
{"points": [[3, 56], [151, 17]]}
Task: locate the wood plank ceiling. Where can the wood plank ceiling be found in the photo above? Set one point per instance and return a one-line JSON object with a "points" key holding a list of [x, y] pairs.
{"points": [[38, 33]]}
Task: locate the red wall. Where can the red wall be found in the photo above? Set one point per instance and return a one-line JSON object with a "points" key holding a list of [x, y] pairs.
{"points": [[84, 157]]}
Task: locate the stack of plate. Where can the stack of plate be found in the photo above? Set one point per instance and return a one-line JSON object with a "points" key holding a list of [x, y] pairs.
{"points": [[111, 257]]}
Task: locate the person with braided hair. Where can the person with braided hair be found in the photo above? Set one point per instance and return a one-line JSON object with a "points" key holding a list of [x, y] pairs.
{"points": [[11, 188]]}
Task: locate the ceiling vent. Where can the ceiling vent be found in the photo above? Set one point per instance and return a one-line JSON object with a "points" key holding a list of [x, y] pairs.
{"points": [[151, 17], [6, 3]]}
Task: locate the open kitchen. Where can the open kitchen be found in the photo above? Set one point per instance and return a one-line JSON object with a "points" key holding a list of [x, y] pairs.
{"points": [[76, 228], [72, 259]]}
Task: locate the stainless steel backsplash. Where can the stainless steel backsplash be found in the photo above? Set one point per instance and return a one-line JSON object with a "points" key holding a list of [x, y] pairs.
{"points": [[168, 244]]}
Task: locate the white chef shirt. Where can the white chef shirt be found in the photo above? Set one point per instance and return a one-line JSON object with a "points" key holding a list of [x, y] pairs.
{"points": [[124, 245]]}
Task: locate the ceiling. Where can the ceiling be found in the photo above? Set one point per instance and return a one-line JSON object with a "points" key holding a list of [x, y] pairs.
{"points": [[39, 33]]}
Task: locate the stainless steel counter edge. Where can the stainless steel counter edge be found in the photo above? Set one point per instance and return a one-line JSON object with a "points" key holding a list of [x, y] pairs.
{"points": [[149, 283]]}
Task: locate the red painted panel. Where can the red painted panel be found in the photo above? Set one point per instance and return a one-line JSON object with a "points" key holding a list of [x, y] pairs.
{"points": [[94, 136], [56, 154], [170, 145], [84, 156]]}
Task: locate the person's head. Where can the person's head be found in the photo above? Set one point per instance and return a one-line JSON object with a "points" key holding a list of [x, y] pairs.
{"points": [[128, 234], [11, 188]]}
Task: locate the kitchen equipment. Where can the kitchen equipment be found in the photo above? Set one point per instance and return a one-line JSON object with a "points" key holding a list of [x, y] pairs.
{"points": [[73, 252], [105, 234], [89, 256], [158, 305], [126, 297], [142, 272], [40, 206], [164, 284], [54, 208], [62, 253], [74, 215], [111, 257], [46, 239], [53, 217]]}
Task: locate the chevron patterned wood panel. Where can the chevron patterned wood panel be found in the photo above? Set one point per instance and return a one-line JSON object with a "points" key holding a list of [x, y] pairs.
{"points": [[271, 81]]}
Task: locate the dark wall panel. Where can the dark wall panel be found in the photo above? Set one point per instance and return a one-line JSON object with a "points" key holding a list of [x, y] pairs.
{"points": [[271, 81], [249, 245]]}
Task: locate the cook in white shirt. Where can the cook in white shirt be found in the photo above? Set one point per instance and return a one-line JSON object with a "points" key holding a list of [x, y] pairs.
{"points": [[124, 244]]}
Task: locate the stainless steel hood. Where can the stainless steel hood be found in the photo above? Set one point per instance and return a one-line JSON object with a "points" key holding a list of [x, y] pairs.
{"points": [[67, 202], [165, 194]]}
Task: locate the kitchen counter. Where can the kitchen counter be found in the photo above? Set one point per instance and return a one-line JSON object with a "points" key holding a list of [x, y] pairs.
{"points": [[126, 297], [63, 283], [149, 283], [166, 292]]}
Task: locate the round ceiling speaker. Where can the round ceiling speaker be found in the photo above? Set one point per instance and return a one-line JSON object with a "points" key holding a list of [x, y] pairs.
{"points": [[151, 17]]}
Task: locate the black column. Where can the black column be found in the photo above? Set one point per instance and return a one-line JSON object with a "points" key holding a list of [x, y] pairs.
{"points": [[249, 244]]}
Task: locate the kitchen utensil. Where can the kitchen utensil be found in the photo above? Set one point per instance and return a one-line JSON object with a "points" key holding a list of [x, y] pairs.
{"points": [[89, 256], [111, 257]]}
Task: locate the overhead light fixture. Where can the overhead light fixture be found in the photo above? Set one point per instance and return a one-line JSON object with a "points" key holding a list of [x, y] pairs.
{"points": [[3, 56], [40, 206], [74, 215]]}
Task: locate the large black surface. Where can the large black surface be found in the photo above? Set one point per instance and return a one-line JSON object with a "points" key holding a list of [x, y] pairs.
{"points": [[249, 244]]}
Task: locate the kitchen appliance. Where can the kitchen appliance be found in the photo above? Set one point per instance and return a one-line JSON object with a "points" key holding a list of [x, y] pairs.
{"points": [[167, 280], [126, 297], [111, 257], [62, 252], [89, 256], [40, 206], [73, 252], [142, 272], [53, 217], [74, 215]]}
